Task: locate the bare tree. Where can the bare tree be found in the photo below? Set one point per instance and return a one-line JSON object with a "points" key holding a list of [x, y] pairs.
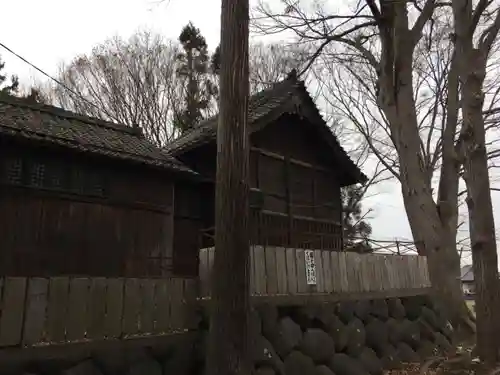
{"points": [[271, 62], [133, 82], [268, 63], [473, 45], [377, 44], [228, 352]]}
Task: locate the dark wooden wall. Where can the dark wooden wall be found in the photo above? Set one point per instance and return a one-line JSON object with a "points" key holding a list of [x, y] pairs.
{"points": [[194, 204], [68, 215], [294, 171], [295, 198]]}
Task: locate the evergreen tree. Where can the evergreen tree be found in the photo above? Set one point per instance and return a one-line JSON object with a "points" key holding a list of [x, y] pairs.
{"points": [[194, 70], [7, 87], [35, 95], [215, 61], [356, 229]]}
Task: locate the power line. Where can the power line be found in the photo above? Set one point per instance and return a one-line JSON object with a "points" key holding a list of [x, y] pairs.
{"points": [[48, 75]]}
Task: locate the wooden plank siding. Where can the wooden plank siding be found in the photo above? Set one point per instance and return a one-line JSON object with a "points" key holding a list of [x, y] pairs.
{"points": [[45, 234], [63, 310], [64, 214], [295, 197], [280, 274]]}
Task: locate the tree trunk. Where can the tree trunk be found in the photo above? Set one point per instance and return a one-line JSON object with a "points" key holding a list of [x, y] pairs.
{"points": [[481, 221], [433, 225], [227, 352], [472, 140]]}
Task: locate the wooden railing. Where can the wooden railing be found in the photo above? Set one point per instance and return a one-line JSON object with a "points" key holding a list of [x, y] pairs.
{"points": [[283, 272], [37, 311]]}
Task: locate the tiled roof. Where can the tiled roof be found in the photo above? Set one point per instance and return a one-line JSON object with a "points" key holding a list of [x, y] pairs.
{"points": [[42, 123], [260, 105], [263, 108]]}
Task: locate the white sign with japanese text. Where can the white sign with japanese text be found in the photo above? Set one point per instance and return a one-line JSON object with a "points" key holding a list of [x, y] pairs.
{"points": [[310, 267]]}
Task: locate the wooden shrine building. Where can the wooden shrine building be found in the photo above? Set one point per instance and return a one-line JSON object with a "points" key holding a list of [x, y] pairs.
{"points": [[297, 168], [82, 196]]}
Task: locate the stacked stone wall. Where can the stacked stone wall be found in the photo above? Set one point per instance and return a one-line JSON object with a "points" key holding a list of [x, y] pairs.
{"points": [[348, 338]]}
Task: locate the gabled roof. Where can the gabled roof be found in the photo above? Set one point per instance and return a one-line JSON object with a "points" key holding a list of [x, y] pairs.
{"points": [[287, 96], [42, 123]]}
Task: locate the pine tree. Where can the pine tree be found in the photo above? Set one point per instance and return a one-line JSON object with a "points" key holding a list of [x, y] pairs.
{"points": [[215, 61], [9, 88], [356, 229], [194, 69]]}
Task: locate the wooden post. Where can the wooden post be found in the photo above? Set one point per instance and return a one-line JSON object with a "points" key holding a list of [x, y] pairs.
{"points": [[228, 342]]}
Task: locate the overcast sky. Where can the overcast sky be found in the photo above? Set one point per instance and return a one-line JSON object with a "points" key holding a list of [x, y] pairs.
{"points": [[49, 32]]}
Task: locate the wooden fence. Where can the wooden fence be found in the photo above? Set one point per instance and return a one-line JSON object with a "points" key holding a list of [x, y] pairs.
{"points": [[285, 272], [59, 310], [37, 311]]}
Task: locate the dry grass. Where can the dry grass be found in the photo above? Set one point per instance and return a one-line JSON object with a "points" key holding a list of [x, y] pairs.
{"points": [[415, 369], [457, 365]]}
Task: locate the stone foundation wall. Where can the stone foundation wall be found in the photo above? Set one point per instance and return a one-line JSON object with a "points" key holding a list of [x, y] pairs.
{"points": [[145, 356], [346, 338]]}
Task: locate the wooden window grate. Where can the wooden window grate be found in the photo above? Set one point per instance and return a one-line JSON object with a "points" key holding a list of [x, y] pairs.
{"points": [[13, 171]]}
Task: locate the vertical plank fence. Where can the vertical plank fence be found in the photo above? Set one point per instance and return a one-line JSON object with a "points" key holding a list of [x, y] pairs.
{"points": [[58, 310], [278, 271]]}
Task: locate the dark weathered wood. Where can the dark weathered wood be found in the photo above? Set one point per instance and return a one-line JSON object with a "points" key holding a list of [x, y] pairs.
{"points": [[61, 310], [251, 270], [177, 314], [114, 308], [97, 308], [36, 311], [301, 271], [57, 309], [78, 304], [281, 270], [318, 259], [12, 310], [271, 271], [327, 271], [292, 160], [148, 306], [342, 271], [314, 298], [291, 269], [260, 267], [204, 271], [54, 237], [131, 307], [163, 310], [190, 305]]}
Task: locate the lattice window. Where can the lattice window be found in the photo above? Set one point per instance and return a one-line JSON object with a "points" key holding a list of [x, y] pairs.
{"points": [[37, 174], [12, 170]]}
